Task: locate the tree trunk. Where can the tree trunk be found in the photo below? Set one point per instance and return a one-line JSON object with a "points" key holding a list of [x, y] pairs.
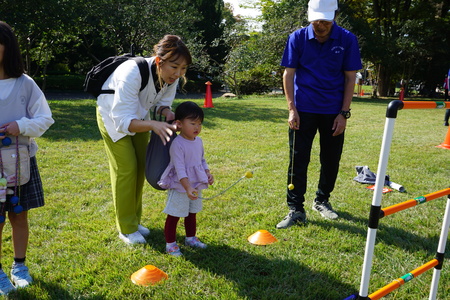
{"points": [[384, 80]]}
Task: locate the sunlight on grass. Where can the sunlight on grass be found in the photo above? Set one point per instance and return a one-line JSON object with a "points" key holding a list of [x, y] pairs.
{"points": [[74, 251]]}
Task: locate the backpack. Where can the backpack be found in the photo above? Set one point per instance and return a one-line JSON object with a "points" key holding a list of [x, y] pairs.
{"points": [[97, 76]]}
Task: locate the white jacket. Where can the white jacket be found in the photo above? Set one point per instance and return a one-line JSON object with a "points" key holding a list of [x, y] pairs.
{"points": [[128, 103]]}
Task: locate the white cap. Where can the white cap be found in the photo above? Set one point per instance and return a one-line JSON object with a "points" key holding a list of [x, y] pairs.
{"points": [[322, 10]]}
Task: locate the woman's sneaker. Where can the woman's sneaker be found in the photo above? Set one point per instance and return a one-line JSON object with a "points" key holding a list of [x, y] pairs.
{"points": [[20, 275], [5, 284], [143, 230], [132, 238], [194, 242], [174, 250]]}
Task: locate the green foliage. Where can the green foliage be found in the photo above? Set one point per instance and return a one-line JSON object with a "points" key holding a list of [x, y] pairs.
{"points": [[61, 82], [404, 39], [75, 253]]}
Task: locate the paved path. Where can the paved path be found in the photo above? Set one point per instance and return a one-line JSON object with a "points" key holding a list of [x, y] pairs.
{"points": [[79, 95]]}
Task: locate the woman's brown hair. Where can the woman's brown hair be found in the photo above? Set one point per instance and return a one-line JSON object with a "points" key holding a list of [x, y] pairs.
{"points": [[170, 48]]}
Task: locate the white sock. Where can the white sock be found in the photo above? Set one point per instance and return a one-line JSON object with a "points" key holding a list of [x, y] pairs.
{"points": [[190, 238], [169, 245]]}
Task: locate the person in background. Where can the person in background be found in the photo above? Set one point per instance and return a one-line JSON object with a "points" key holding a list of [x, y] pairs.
{"points": [[24, 115], [320, 63], [447, 111], [185, 177], [124, 122]]}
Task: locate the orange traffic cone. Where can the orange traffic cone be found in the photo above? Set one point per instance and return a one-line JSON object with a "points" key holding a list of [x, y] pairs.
{"points": [[446, 143], [148, 275], [362, 93], [402, 94], [208, 95], [262, 237]]}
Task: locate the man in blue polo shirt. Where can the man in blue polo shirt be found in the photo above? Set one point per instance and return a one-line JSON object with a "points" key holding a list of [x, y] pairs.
{"points": [[321, 61]]}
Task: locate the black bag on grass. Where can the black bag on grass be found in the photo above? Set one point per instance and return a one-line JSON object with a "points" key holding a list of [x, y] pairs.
{"points": [[157, 157]]}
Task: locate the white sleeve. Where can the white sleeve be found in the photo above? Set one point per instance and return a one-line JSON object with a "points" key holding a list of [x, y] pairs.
{"points": [[40, 120]]}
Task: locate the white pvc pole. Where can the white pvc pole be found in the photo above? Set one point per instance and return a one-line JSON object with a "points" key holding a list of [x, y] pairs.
{"points": [[376, 201], [441, 249]]}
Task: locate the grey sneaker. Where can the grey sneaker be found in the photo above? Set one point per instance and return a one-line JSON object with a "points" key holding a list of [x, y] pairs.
{"points": [[292, 218], [174, 250], [194, 242], [325, 209], [20, 275], [5, 284]]}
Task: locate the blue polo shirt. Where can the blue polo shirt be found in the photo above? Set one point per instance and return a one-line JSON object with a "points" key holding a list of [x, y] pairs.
{"points": [[319, 76]]}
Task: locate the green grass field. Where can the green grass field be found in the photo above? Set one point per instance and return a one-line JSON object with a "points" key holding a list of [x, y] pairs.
{"points": [[75, 253]]}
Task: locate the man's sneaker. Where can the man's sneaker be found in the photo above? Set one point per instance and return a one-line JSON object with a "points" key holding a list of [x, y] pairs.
{"points": [[292, 218], [20, 275], [174, 250], [132, 238], [325, 209], [195, 243], [5, 284], [143, 230]]}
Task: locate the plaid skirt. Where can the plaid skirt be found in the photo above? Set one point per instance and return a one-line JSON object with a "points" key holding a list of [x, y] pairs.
{"points": [[31, 194]]}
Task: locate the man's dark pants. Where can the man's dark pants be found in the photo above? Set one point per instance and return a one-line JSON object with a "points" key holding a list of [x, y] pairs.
{"points": [[330, 155]]}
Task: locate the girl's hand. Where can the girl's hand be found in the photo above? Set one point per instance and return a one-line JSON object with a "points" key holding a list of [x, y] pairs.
{"points": [[11, 128], [192, 193], [210, 178]]}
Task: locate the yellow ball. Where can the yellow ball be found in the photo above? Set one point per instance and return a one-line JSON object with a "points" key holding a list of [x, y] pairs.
{"points": [[249, 174], [291, 186]]}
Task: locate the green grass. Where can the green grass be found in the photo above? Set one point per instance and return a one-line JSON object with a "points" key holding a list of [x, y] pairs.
{"points": [[74, 251]]}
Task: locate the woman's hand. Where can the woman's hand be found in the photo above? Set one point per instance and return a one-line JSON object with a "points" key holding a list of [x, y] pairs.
{"points": [[164, 130]]}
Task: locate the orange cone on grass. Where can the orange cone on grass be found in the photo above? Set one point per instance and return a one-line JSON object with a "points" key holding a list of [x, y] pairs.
{"points": [[262, 237], [148, 275], [446, 143], [208, 96]]}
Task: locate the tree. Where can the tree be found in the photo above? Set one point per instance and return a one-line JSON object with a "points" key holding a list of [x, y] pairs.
{"points": [[405, 39], [82, 32]]}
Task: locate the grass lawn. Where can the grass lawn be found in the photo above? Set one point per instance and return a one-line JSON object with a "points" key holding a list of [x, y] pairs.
{"points": [[75, 253]]}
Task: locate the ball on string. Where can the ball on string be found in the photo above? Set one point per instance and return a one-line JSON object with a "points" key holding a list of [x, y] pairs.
{"points": [[6, 141], [14, 200], [18, 209]]}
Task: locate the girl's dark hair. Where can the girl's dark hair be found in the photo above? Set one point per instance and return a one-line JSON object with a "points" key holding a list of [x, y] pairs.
{"points": [[189, 110], [170, 48], [12, 59]]}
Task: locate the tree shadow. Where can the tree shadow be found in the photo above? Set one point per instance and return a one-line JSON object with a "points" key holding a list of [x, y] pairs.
{"points": [[385, 233], [258, 277], [51, 291], [74, 120]]}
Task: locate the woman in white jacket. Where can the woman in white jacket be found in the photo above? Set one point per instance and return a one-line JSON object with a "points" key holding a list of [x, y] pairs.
{"points": [[124, 122]]}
